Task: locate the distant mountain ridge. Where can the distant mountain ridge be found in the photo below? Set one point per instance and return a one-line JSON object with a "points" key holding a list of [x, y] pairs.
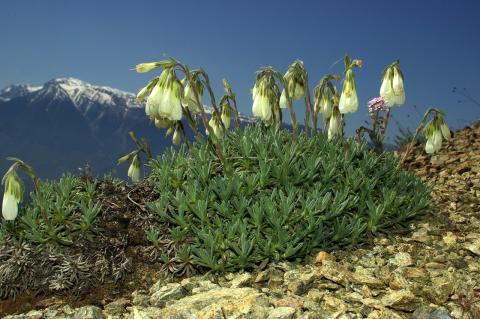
{"points": [[67, 123]]}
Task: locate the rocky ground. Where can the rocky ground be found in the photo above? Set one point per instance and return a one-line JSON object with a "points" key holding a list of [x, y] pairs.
{"points": [[432, 272]]}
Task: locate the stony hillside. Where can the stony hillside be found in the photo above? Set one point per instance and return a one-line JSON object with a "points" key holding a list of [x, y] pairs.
{"points": [[430, 272]]}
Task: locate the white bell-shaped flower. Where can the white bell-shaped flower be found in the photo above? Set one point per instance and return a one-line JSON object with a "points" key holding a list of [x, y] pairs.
{"points": [[217, 127], [134, 169], [325, 105], [261, 107], [153, 102], [176, 136], [429, 147], [9, 206], [386, 89], [348, 99], [335, 126], [189, 99], [12, 195], [170, 106], [437, 140], [397, 85]]}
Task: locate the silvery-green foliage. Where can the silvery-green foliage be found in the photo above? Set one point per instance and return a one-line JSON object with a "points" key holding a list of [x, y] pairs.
{"points": [[284, 199], [70, 208]]}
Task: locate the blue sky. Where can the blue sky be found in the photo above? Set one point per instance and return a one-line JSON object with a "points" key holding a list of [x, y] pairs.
{"points": [[99, 42]]}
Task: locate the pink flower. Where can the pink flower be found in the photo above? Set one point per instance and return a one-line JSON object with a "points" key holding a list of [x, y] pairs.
{"points": [[376, 105]]}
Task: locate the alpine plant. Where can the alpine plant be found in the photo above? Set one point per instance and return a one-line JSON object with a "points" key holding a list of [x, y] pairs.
{"points": [[134, 169], [164, 102], [265, 96], [392, 89], [435, 131], [349, 99], [12, 195], [296, 82]]}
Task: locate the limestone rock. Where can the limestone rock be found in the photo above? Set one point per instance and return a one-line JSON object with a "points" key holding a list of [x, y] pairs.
{"points": [[172, 291], [88, 312], [401, 300]]}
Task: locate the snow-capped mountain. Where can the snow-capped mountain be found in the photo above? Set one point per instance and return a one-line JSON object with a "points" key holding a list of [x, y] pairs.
{"points": [[66, 123], [17, 90]]}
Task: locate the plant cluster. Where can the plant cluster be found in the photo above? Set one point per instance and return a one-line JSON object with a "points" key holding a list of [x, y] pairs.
{"points": [[61, 212], [282, 201]]}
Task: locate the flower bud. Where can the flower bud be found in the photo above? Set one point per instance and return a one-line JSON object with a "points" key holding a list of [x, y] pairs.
{"points": [[141, 94], [176, 136], [226, 115], [134, 169], [145, 67], [445, 131], [189, 98]]}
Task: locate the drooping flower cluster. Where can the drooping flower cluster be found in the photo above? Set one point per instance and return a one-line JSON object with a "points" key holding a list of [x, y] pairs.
{"points": [[435, 131], [295, 78], [376, 105], [12, 195], [265, 97], [324, 94], [164, 101], [392, 89], [349, 99]]}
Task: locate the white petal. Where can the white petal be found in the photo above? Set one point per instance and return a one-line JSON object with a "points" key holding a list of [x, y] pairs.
{"points": [[9, 206], [348, 102], [437, 140], [429, 146], [397, 82], [399, 99], [266, 110], [256, 110], [153, 101], [283, 100]]}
